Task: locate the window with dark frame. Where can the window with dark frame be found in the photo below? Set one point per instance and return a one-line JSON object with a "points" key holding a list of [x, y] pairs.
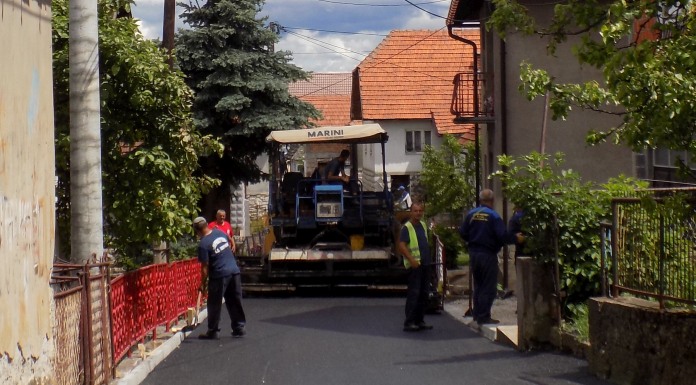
{"points": [[668, 158], [417, 140]]}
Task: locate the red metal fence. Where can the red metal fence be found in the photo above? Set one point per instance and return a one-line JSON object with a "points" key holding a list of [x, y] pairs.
{"points": [[149, 297]]}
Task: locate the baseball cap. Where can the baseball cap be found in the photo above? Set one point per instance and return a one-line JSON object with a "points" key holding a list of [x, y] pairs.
{"points": [[199, 220], [402, 187]]}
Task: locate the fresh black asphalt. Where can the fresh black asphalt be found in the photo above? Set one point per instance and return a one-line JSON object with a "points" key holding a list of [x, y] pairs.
{"points": [[356, 340]]}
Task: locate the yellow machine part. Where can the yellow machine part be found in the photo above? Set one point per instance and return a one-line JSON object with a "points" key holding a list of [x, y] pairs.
{"points": [[357, 242]]}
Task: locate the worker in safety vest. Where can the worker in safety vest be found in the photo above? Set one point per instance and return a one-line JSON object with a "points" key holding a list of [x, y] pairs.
{"points": [[415, 248]]}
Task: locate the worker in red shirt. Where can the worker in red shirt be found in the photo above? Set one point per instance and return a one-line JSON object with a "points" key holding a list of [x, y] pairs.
{"points": [[224, 226]]}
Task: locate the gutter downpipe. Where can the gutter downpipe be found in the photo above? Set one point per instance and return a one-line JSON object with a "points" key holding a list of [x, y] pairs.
{"points": [[504, 151], [477, 145], [384, 173]]}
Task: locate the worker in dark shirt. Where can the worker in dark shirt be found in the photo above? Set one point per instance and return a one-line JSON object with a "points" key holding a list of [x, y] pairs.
{"points": [[415, 248], [335, 170], [484, 232], [515, 231], [219, 268]]}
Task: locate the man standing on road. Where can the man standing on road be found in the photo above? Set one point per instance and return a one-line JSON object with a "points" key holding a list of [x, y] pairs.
{"points": [[414, 246], [224, 279], [484, 232], [224, 226]]}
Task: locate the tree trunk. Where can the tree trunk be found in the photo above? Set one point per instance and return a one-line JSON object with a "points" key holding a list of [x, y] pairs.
{"points": [[85, 136]]}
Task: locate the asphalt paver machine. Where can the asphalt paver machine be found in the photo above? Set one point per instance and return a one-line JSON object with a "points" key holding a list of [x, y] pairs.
{"points": [[332, 233]]}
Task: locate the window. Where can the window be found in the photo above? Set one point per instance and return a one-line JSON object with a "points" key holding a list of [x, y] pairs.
{"points": [[668, 158], [417, 140]]}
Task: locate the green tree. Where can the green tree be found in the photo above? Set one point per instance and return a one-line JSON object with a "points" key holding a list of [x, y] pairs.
{"points": [[645, 50], [149, 145], [240, 85], [448, 184], [447, 178]]}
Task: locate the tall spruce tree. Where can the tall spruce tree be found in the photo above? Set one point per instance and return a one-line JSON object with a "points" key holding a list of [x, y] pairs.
{"points": [[240, 86]]}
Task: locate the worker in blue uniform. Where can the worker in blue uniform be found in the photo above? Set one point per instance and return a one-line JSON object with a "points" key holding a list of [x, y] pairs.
{"points": [[484, 232]]}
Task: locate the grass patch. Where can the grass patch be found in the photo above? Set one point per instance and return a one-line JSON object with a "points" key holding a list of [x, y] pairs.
{"points": [[579, 323], [463, 258]]}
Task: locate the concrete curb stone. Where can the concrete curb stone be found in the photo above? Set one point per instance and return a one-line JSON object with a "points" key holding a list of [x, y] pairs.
{"points": [[138, 374]]}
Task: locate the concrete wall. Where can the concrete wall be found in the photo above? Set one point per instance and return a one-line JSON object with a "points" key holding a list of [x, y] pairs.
{"points": [[524, 118], [634, 342], [26, 192], [536, 308], [398, 161]]}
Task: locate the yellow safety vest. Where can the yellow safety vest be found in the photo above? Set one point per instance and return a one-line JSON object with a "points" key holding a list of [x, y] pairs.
{"points": [[413, 241]]}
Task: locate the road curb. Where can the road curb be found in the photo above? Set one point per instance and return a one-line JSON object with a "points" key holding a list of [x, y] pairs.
{"points": [[138, 374]]}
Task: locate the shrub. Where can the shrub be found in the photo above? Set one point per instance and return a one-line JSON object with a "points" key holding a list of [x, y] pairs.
{"points": [[561, 217]]}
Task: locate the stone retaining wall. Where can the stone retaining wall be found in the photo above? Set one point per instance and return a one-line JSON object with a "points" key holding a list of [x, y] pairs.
{"points": [[536, 305], [634, 342]]}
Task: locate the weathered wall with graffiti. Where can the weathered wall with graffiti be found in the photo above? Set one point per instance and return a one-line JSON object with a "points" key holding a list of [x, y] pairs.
{"points": [[26, 192]]}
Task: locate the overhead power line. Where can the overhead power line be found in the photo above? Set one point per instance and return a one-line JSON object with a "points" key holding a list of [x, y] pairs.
{"points": [[312, 40], [425, 10], [376, 5], [324, 45], [343, 32]]}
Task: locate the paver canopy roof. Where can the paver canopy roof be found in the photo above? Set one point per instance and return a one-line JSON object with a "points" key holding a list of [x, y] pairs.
{"points": [[365, 133]]}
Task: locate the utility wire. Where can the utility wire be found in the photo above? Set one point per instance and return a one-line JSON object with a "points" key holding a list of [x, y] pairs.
{"points": [[425, 10], [364, 53], [320, 42], [380, 61], [343, 32], [377, 5]]}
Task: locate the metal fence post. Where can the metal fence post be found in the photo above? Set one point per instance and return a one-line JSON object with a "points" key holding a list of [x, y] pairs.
{"points": [[614, 249], [661, 263]]}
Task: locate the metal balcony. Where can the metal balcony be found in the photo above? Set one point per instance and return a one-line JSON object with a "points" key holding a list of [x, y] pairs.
{"points": [[469, 102]]}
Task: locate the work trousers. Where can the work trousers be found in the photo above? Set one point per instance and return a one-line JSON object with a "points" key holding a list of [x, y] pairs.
{"points": [[229, 288], [417, 295], [484, 270]]}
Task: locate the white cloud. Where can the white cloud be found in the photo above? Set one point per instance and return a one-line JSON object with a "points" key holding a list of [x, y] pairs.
{"points": [[327, 52], [316, 50]]}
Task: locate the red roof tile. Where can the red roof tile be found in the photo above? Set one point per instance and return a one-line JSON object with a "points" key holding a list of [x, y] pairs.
{"points": [[329, 93], [323, 84], [335, 109], [410, 75]]}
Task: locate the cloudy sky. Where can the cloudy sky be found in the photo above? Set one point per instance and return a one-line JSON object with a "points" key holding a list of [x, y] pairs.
{"points": [[325, 35]]}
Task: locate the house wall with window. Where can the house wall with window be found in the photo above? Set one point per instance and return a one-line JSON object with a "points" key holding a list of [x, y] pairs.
{"points": [[665, 168], [407, 140], [518, 123]]}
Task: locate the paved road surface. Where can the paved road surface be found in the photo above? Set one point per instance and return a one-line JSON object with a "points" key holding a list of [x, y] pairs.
{"points": [[335, 341]]}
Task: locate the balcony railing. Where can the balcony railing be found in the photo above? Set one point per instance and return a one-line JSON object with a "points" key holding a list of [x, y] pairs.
{"points": [[464, 104]]}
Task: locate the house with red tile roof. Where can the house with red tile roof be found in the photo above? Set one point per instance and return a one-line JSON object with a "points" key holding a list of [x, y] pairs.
{"points": [[330, 94], [406, 85]]}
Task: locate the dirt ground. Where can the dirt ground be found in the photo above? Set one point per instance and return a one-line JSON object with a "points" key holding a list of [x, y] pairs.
{"points": [[457, 298], [504, 310]]}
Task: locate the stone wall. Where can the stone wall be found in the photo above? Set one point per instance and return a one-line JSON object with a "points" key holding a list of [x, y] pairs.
{"points": [[536, 305], [633, 342], [27, 193]]}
